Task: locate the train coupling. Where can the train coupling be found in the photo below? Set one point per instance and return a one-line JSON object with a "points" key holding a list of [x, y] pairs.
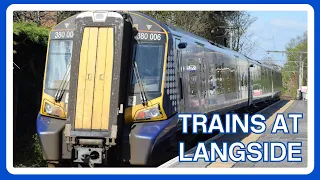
{"points": [[86, 153]]}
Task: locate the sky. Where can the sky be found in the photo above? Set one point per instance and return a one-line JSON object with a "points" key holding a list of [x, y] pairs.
{"points": [[274, 29]]}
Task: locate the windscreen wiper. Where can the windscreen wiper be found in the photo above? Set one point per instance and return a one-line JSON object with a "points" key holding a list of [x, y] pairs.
{"points": [[63, 85], [137, 76], [142, 91]]}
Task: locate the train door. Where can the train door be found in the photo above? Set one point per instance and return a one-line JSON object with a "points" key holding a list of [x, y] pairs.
{"points": [[212, 80], [203, 83], [238, 78], [190, 80], [272, 78], [250, 83], [197, 79], [219, 93], [179, 77], [93, 79], [98, 67]]}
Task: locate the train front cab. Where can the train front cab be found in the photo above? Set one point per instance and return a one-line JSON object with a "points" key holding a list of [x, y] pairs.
{"points": [[85, 79], [150, 112], [98, 104]]}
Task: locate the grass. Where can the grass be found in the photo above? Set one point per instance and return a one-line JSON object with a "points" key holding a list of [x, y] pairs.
{"points": [[27, 153]]}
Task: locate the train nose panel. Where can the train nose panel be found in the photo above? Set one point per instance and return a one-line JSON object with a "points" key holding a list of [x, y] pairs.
{"points": [[95, 78], [99, 65]]}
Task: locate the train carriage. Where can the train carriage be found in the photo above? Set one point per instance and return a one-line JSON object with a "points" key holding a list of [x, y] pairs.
{"points": [[115, 82]]}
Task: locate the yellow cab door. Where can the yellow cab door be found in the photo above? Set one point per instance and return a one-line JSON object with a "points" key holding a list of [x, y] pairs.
{"points": [[94, 79]]}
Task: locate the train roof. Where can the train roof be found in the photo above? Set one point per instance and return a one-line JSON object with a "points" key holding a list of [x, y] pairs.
{"points": [[175, 29], [270, 66]]}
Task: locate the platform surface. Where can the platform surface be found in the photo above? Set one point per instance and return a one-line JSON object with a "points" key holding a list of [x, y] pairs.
{"points": [[297, 107], [283, 106]]}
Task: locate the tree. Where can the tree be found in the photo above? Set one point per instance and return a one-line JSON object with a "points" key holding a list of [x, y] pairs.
{"points": [[206, 24], [201, 23], [42, 18], [30, 55], [241, 40], [290, 71], [197, 22], [62, 15]]}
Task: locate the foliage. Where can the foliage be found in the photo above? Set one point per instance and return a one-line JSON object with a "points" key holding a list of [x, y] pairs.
{"points": [[197, 22], [42, 18], [31, 32], [206, 24], [63, 15], [290, 71], [29, 154], [202, 23], [30, 41], [241, 21]]}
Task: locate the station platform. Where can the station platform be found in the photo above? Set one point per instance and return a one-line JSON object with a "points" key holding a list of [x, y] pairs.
{"points": [[282, 106]]}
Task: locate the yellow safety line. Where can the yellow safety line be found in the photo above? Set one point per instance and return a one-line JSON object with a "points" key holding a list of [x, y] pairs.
{"points": [[251, 138]]}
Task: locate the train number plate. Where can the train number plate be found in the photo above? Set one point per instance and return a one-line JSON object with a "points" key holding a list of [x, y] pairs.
{"points": [[146, 36], [61, 35]]}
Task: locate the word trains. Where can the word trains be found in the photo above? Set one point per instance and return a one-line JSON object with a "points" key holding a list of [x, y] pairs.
{"points": [[233, 123]]}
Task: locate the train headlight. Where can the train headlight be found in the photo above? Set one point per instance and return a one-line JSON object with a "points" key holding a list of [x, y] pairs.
{"points": [[48, 108], [99, 16], [53, 110], [153, 112]]}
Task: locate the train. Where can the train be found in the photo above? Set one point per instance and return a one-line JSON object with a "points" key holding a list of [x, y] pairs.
{"points": [[115, 82]]}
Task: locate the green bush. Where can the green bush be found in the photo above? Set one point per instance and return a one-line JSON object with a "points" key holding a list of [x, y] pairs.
{"points": [[29, 154], [290, 71], [34, 33], [30, 42]]}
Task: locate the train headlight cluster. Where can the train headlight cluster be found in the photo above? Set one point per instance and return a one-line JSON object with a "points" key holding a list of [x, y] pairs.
{"points": [[99, 16], [53, 110], [48, 108], [153, 112]]}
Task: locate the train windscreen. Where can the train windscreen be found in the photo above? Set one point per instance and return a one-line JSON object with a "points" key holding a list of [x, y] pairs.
{"points": [[59, 57], [149, 59]]}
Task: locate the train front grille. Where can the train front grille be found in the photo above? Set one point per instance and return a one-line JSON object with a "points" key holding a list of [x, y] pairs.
{"points": [[95, 78]]}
